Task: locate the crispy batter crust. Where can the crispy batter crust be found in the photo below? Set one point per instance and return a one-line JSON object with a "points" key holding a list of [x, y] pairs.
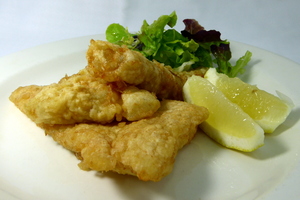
{"points": [[83, 98], [109, 115], [114, 63], [146, 148]]}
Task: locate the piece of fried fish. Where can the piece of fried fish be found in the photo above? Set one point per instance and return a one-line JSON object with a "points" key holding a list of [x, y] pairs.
{"points": [[83, 98], [146, 148], [116, 63]]}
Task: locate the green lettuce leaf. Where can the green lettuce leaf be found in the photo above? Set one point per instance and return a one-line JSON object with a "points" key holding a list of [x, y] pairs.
{"points": [[189, 49], [219, 49], [151, 35], [116, 33]]}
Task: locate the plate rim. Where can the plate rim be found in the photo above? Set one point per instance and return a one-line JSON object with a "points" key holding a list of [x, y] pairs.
{"points": [[11, 59]]}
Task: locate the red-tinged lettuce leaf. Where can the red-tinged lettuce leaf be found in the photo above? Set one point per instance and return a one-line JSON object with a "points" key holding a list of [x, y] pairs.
{"points": [[193, 30], [220, 49], [192, 26], [192, 48]]}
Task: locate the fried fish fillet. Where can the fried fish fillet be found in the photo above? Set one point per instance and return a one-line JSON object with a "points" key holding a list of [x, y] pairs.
{"points": [[83, 98], [146, 148], [114, 63]]}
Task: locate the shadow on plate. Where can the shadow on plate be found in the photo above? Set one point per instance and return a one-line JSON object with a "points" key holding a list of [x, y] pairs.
{"points": [[201, 166], [273, 147], [273, 143], [203, 170], [247, 76], [189, 179], [290, 121]]}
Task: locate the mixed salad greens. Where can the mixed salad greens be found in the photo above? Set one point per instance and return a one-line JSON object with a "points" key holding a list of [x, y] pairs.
{"points": [[192, 48]]}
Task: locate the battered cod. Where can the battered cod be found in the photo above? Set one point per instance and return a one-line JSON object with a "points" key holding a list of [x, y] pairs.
{"points": [[114, 63], [146, 148], [120, 113], [83, 98]]}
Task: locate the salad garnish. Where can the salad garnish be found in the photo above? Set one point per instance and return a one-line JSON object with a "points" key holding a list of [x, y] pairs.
{"points": [[192, 48]]}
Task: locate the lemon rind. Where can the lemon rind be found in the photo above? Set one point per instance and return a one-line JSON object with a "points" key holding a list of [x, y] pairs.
{"points": [[245, 144]]}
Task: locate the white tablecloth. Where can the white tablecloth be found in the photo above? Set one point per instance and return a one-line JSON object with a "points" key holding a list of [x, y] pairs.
{"points": [[269, 24]]}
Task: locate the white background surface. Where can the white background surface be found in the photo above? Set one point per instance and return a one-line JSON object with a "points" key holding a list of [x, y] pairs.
{"points": [[272, 25], [269, 24]]}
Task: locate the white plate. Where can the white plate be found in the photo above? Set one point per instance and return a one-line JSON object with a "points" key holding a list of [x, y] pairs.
{"points": [[33, 166]]}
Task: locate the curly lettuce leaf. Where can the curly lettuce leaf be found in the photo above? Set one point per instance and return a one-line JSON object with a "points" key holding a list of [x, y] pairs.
{"points": [[192, 48], [154, 42], [116, 33], [220, 49], [175, 50], [151, 35]]}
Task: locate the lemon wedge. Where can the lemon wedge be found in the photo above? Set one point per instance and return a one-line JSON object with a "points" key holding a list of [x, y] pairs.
{"points": [[269, 111], [227, 123]]}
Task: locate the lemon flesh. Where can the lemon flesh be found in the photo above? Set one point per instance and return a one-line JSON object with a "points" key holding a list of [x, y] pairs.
{"points": [[269, 111], [227, 123]]}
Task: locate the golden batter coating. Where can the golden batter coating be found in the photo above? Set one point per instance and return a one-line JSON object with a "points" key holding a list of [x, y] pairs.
{"points": [[114, 63], [83, 98], [109, 114], [146, 148]]}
